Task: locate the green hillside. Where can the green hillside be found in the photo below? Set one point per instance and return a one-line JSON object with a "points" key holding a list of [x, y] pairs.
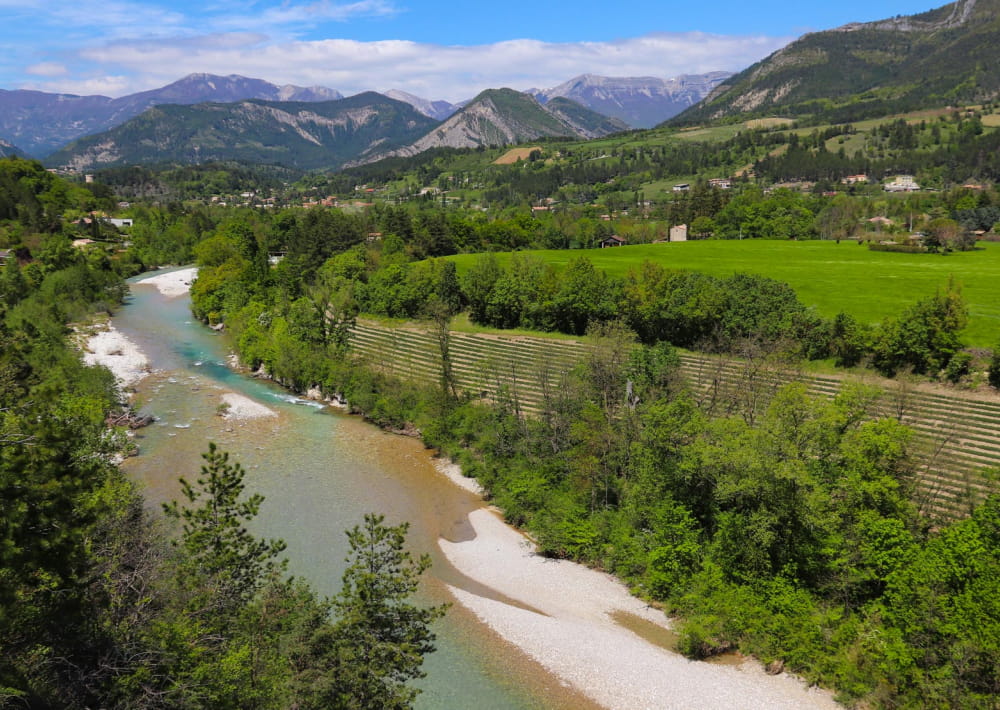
{"points": [[585, 120], [828, 276], [944, 57]]}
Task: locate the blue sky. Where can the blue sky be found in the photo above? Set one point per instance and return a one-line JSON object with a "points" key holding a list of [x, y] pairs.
{"points": [[438, 50]]}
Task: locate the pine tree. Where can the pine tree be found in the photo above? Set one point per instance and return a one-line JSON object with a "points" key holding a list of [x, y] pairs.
{"points": [[380, 637], [214, 529]]}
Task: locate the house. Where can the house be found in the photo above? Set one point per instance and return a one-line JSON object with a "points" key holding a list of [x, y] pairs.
{"points": [[902, 183], [613, 241], [124, 222], [855, 179], [679, 233], [881, 222], [720, 183], [5, 256], [682, 187]]}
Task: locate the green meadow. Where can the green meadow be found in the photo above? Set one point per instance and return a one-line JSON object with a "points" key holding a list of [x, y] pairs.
{"points": [[828, 276]]}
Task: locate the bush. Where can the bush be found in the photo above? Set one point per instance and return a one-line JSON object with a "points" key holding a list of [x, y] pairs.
{"points": [[958, 367], [994, 376]]}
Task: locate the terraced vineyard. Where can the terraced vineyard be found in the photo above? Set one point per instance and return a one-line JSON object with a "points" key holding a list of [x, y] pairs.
{"points": [[958, 436]]}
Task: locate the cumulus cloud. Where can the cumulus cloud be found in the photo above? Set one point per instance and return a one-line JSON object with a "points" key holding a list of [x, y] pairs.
{"points": [[451, 72]]}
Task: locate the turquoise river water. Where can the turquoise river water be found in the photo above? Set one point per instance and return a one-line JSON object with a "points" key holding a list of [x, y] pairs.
{"points": [[320, 471]]}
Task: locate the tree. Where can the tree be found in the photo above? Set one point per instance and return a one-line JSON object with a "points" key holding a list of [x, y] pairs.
{"points": [[379, 638], [703, 227], [994, 375], [926, 335], [214, 532], [478, 283]]}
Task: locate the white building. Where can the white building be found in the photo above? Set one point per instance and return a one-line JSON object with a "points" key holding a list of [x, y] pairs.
{"points": [[902, 183]]}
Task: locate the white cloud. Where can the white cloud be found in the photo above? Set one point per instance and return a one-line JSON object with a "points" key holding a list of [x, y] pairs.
{"points": [[47, 69], [312, 13], [433, 71]]}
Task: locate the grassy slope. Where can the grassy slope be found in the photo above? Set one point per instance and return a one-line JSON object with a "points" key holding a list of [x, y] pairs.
{"points": [[829, 276]]}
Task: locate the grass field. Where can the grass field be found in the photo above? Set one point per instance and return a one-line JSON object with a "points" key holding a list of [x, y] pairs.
{"points": [[828, 276]]}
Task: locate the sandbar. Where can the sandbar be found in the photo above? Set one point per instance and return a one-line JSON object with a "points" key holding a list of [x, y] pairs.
{"points": [[241, 408]]}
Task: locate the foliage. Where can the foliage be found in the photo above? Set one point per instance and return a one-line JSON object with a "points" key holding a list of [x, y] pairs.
{"points": [[95, 608], [994, 373], [377, 643], [214, 536], [925, 337]]}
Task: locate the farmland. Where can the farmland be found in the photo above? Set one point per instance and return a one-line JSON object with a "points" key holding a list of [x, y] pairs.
{"points": [[828, 276]]}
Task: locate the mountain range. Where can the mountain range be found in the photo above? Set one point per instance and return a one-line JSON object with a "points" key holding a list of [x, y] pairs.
{"points": [[438, 110], [947, 56], [301, 135], [640, 102], [328, 134], [944, 57], [40, 123], [506, 117]]}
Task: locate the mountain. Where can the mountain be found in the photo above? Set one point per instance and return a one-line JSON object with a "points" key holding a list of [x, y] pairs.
{"points": [[641, 102], [586, 123], [42, 122], [9, 150], [507, 117], [947, 56], [438, 110], [297, 135]]}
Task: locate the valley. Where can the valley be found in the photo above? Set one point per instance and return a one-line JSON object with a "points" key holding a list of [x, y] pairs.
{"points": [[674, 384]]}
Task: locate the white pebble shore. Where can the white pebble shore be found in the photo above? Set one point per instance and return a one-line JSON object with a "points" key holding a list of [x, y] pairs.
{"points": [[576, 638], [174, 283], [117, 353]]}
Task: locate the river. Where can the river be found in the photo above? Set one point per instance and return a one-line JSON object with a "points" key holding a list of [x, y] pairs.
{"points": [[522, 632]]}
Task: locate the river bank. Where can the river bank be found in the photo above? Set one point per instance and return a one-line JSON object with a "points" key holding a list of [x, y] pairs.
{"points": [[107, 346]]}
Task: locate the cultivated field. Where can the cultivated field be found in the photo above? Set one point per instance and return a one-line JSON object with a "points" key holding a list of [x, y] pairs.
{"points": [[958, 437], [828, 276], [515, 154]]}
